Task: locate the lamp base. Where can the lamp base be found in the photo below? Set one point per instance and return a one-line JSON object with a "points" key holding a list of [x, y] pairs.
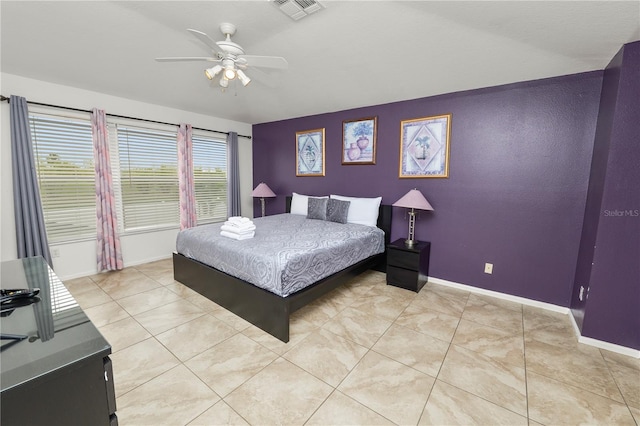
{"points": [[409, 243]]}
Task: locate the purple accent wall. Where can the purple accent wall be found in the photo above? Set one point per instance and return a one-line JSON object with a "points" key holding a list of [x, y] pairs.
{"points": [[612, 310], [519, 171], [597, 174]]}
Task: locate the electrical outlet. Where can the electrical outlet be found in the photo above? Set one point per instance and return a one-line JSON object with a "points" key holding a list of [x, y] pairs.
{"points": [[488, 268], [55, 252]]}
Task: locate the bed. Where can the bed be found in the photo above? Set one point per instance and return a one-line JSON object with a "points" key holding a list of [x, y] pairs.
{"points": [[262, 307]]}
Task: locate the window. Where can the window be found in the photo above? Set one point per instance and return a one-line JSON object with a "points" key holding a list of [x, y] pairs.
{"points": [[63, 153], [144, 163], [148, 178], [210, 178]]}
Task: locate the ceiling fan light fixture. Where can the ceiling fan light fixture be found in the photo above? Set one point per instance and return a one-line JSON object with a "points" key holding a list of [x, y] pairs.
{"points": [[244, 79], [230, 73], [212, 72], [224, 82]]}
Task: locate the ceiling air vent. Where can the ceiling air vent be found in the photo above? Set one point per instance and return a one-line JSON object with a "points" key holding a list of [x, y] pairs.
{"points": [[298, 9]]}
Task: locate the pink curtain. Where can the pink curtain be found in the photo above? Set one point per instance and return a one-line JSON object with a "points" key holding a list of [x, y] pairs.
{"points": [[109, 252], [185, 172]]}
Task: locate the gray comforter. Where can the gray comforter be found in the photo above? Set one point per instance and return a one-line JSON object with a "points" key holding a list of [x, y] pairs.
{"points": [[288, 252]]}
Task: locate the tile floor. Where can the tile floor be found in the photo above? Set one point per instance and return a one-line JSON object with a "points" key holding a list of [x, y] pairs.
{"points": [[367, 354]]}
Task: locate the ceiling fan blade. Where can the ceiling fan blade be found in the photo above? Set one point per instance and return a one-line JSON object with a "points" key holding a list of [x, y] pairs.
{"points": [[262, 77], [187, 58], [211, 43], [275, 62]]}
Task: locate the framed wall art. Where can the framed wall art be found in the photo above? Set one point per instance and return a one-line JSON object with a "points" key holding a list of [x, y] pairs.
{"points": [[359, 141], [310, 153], [424, 147]]}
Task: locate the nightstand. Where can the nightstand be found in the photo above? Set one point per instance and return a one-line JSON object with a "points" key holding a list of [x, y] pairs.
{"points": [[408, 267]]}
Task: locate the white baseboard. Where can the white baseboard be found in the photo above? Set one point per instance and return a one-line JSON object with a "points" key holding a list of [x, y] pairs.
{"points": [[543, 305]]}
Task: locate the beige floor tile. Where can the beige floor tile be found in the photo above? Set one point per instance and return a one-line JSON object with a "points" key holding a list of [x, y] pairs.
{"points": [[298, 330], [160, 271], [124, 333], [196, 336], [341, 297], [433, 323], [282, 393], [628, 381], [219, 414], [327, 356], [582, 366], [232, 319], [619, 359], [480, 374], [106, 277], [636, 414], [494, 312], [412, 348], [362, 286], [320, 311], [550, 327], [442, 299], [148, 300], [341, 410], [357, 326], [449, 405], [389, 388], [502, 384], [90, 298], [106, 313], [204, 303], [126, 283], [396, 293], [168, 316], [156, 265], [139, 363], [553, 402], [230, 363], [80, 285], [381, 306], [181, 289], [173, 398], [497, 344]]}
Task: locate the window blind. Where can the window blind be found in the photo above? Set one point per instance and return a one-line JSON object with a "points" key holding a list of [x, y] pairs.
{"points": [[148, 177], [63, 151], [210, 178]]}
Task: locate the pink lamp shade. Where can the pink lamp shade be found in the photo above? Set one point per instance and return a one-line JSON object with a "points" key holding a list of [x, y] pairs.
{"points": [[413, 200], [263, 191]]}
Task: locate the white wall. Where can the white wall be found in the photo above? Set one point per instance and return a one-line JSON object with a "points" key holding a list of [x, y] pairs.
{"points": [[79, 259]]}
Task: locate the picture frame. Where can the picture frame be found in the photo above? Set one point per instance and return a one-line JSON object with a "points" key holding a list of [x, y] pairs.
{"points": [[425, 147], [359, 141], [310, 159]]}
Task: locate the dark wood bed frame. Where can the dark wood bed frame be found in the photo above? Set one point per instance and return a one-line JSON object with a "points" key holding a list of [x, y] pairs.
{"points": [[260, 307]]}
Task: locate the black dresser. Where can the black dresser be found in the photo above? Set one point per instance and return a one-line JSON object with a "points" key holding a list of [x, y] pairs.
{"points": [[54, 363]]}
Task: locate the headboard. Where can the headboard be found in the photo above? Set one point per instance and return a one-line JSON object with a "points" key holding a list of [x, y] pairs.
{"points": [[384, 218]]}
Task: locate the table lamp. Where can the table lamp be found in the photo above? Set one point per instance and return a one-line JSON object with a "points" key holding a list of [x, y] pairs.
{"points": [[413, 200], [263, 191]]}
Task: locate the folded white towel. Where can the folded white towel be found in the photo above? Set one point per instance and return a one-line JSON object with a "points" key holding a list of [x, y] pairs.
{"points": [[237, 236], [239, 219], [245, 225], [238, 230]]}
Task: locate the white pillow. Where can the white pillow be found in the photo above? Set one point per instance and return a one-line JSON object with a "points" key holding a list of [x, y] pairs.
{"points": [[300, 203], [363, 211]]}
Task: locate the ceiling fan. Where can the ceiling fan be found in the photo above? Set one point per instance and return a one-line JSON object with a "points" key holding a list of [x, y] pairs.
{"points": [[230, 58]]}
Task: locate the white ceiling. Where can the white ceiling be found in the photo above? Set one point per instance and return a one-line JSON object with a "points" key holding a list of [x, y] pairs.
{"points": [[348, 55]]}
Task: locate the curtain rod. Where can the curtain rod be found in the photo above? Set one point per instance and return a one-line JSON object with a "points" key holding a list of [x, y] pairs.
{"points": [[4, 98]]}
